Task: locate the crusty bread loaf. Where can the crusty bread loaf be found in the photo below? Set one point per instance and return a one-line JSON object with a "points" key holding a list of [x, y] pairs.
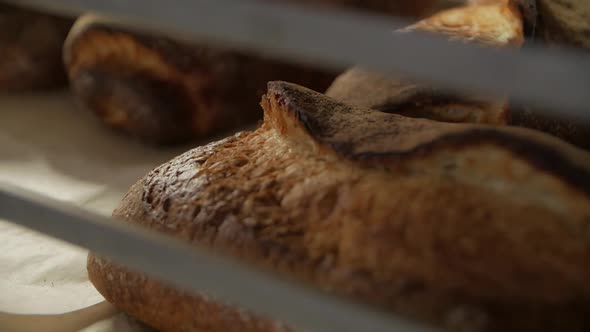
{"points": [[30, 49], [493, 23], [468, 227], [163, 91], [166, 91]]}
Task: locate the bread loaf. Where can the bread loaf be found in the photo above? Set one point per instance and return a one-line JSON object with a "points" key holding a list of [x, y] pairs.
{"points": [[468, 227], [493, 23], [31, 49], [164, 91]]}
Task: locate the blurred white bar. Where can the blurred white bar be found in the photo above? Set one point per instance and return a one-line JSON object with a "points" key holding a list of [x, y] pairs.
{"points": [[196, 269], [556, 81]]}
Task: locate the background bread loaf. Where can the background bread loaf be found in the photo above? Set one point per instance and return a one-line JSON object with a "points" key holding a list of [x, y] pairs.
{"points": [[495, 23], [165, 91]]}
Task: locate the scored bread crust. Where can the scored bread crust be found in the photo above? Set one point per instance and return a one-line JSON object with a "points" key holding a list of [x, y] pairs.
{"points": [[497, 23], [165, 91], [468, 227], [493, 23]]}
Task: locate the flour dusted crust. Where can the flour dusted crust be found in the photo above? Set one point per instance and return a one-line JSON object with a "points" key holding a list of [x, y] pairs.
{"points": [[468, 227]]}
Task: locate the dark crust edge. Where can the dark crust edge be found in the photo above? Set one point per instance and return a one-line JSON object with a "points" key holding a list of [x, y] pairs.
{"points": [[541, 156], [169, 123]]}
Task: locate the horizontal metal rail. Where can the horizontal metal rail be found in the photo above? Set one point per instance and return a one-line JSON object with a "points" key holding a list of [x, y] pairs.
{"points": [[558, 82], [196, 269]]}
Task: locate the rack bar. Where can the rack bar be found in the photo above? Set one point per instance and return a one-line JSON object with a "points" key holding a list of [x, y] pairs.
{"points": [[556, 81], [196, 269]]}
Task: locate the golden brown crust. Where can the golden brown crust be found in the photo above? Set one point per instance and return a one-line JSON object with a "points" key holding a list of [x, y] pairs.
{"points": [[30, 49], [166, 307], [497, 23], [472, 228]]}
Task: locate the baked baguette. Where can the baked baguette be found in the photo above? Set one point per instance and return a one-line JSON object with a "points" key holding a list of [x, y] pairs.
{"points": [[497, 23], [493, 23], [164, 91], [468, 227], [31, 49]]}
